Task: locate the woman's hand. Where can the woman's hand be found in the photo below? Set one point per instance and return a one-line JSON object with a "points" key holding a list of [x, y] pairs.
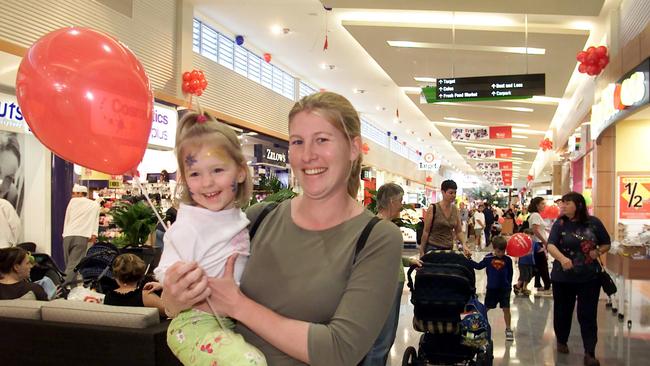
{"points": [[185, 285], [594, 253], [225, 294], [415, 262], [150, 287], [566, 263]]}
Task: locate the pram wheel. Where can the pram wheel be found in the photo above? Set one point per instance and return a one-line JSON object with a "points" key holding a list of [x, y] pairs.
{"points": [[410, 357]]}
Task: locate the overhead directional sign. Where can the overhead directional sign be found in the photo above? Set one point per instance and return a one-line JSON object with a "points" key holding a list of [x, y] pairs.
{"points": [[481, 88]]}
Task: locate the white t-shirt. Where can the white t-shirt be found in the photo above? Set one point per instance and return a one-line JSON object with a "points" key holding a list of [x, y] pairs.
{"points": [[479, 216], [207, 237], [9, 224], [81, 218], [536, 219]]}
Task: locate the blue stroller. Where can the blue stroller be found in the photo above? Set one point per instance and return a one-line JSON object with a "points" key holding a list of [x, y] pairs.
{"points": [[446, 310]]}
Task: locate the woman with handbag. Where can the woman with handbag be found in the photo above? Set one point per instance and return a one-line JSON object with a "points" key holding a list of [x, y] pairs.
{"points": [[577, 240], [442, 222]]}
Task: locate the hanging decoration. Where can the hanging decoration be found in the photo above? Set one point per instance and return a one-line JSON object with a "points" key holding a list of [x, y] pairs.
{"points": [[326, 43], [593, 60], [429, 179], [529, 178], [194, 82], [365, 148], [239, 39], [546, 144], [267, 57]]}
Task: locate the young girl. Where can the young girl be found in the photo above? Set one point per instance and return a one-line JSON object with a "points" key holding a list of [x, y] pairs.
{"points": [[209, 227]]}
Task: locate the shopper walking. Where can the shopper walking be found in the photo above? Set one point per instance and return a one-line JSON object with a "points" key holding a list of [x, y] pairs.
{"points": [[577, 240], [537, 225], [489, 220], [79, 228], [442, 222]]}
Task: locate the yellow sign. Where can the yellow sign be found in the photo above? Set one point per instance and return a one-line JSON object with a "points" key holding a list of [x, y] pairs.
{"points": [[114, 184]]}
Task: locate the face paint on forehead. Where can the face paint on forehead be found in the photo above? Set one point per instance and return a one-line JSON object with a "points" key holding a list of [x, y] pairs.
{"points": [[190, 160], [220, 154]]}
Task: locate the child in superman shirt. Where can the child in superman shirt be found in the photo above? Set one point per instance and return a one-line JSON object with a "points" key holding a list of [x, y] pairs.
{"points": [[499, 280]]}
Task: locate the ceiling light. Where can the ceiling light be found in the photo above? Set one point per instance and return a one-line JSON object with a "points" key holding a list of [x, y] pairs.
{"points": [[276, 29], [493, 146], [433, 18], [380, 108], [467, 47], [518, 153], [405, 89], [326, 66], [425, 79], [358, 91], [396, 120], [519, 137], [469, 105], [528, 132], [450, 124], [517, 145], [507, 124]]}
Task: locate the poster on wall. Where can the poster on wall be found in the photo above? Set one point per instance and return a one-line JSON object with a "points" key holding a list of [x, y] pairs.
{"points": [[500, 165], [634, 197], [12, 172]]}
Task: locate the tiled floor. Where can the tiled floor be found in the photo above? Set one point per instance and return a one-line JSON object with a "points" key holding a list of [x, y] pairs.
{"points": [[532, 320]]}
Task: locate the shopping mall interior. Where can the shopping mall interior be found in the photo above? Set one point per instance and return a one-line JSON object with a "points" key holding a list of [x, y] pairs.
{"points": [[514, 101]]}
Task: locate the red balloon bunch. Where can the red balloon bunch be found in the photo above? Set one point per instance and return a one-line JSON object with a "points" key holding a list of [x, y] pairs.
{"points": [[519, 245], [365, 148], [593, 60], [194, 82], [546, 144], [529, 178], [550, 212]]}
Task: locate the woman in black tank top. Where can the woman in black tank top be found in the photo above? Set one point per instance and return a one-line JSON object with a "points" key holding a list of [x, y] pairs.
{"points": [[128, 271]]}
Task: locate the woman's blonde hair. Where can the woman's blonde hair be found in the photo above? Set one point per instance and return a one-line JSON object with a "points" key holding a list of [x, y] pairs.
{"points": [[128, 268], [341, 114], [195, 130]]}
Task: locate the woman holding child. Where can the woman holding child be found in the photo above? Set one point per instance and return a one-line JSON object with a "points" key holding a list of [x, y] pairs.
{"points": [[306, 295]]}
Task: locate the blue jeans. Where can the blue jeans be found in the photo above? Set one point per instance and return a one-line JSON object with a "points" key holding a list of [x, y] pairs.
{"points": [[378, 354]]}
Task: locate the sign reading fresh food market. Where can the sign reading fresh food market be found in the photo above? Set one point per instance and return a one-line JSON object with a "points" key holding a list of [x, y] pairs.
{"points": [[474, 89]]}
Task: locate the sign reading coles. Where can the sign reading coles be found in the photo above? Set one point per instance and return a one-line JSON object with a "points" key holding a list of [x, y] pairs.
{"points": [[275, 156]]}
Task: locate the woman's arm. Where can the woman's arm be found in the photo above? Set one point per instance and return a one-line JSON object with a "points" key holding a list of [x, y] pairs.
{"points": [[150, 299], [459, 232], [426, 230], [537, 230], [555, 253]]}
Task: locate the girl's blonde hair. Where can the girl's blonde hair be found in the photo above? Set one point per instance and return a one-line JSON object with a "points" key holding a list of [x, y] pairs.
{"points": [[128, 268], [197, 129], [341, 114]]}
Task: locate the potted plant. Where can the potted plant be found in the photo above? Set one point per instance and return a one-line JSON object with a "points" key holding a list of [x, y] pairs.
{"points": [[136, 221]]}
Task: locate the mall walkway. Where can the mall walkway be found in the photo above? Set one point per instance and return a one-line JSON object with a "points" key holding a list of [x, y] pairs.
{"points": [[532, 319]]}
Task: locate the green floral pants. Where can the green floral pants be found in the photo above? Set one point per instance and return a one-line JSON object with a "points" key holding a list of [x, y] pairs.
{"points": [[196, 338]]}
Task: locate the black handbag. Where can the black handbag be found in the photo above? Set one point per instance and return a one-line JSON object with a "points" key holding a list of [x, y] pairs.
{"points": [[606, 281]]}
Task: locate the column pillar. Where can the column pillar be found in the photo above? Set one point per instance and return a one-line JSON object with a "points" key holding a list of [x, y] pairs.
{"points": [[603, 193]]}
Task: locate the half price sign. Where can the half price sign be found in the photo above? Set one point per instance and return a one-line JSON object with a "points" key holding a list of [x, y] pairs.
{"points": [[634, 197]]}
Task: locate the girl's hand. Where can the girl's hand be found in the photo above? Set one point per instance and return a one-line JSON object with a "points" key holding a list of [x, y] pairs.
{"points": [[151, 287], [185, 285], [566, 263], [225, 294]]}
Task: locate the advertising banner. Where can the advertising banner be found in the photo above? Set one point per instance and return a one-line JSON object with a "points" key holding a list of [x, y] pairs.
{"points": [[503, 153], [481, 154], [486, 166], [634, 197], [501, 132]]}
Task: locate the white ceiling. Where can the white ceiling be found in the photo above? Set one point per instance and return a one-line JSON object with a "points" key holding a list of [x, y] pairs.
{"points": [[8, 69], [358, 31]]}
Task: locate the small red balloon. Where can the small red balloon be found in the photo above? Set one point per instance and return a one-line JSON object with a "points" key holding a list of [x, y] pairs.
{"points": [[267, 57], [187, 76], [195, 74], [204, 84], [198, 93], [603, 61], [601, 51], [519, 245], [582, 68], [581, 56], [591, 49], [187, 87]]}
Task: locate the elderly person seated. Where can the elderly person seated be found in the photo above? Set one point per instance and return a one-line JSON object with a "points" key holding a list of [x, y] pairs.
{"points": [[15, 266]]}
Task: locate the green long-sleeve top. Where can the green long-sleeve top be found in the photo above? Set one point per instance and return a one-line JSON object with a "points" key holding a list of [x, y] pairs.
{"points": [[309, 276]]}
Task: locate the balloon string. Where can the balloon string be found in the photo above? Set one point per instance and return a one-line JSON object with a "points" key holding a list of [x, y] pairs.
{"points": [[189, 103], [146, 196]]}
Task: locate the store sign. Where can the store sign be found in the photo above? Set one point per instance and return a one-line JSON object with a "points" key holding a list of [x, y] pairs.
{"points": [[270, 155], [11, 116], [619, 100], [634, 197], [481, 154], [481, 88], [163, 127], [501, 132], [481, 133], [433, 166]]}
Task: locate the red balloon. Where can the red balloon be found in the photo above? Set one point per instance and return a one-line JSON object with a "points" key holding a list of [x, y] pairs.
{"points": [[601, 51], [195, 75], [87, 98], [603, 61], [591, 49], [187, 87], [187, 76], [551, 212], [501, 220], [519, 245], [204, 83], [267, 57], [591, 59], [199, 92], [195, 83], [582, 68], [581, 56]]}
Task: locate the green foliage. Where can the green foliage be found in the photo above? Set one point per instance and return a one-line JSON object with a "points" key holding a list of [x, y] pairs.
{"points": [[281, 195], [372, 206], [136, 221], [275, 188]]}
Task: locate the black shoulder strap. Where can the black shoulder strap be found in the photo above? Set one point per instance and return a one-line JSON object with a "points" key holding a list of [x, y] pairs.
{"points": [[265, 211], [364, 237]]}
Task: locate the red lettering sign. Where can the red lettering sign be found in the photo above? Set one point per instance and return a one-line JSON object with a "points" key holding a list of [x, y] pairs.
{"points": [[505, 165], [501, 132], [503, 153]]}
